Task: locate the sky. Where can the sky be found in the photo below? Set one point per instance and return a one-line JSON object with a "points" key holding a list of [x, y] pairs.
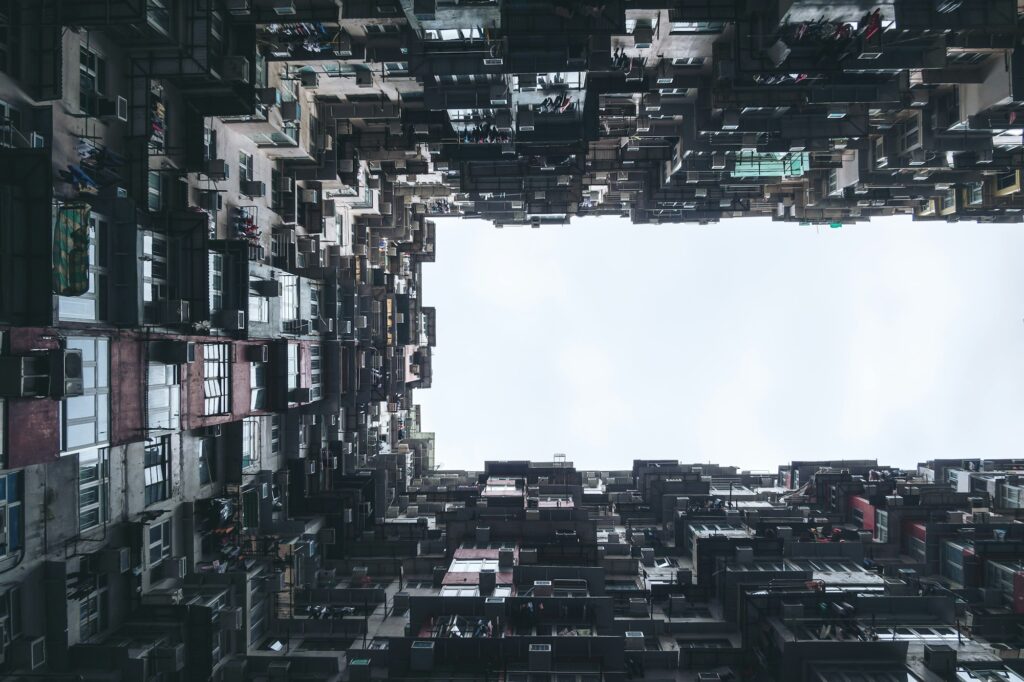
{"points": [[747, 342]]}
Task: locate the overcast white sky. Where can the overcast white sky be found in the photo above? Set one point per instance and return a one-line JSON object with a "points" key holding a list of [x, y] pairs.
{"points": [[748, 342]]}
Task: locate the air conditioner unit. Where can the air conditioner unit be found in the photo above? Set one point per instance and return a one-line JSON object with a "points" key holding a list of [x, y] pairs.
{"points": [[493, 61], [311, 466], [172, 351], [175, 567], [235, 68], [499, 95], [252, 188], [325, 326], [169, 659], [918, 157], [29, 653], [361, 322], [259, 353], [230, 619], [238, 8], [66, 373], [300, 395], [718, 161], [216, 169], [309, 79], [284, 8], [310, 196], [642, 36], [273, 582], [414, 368], [116, 107], [29, 376], [176, 311], [286, 184], [210, 199], [289, 110], [364, 78], [232, 320], [268, 96], [343, 46], [270, 288], [115, 560], [36, 141]]}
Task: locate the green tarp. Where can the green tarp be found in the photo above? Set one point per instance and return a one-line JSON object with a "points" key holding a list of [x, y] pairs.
{"points": [[71, 250]]}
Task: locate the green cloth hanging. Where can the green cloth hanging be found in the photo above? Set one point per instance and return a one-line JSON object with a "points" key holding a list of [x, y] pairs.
{"points": [[71, 250]]}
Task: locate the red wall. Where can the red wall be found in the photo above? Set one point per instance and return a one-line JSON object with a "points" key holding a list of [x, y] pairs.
{"points": [[33, 424], [867, 509]]}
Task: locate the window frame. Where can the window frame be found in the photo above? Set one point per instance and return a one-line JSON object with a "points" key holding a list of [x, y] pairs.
{"points": [[94, 73], [98, 511], [157, 471], [216, 379]]}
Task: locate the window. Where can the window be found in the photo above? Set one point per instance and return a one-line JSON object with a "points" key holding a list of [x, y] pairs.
{"points": [[154, 267], [379, 29], [918, 549], [293, 366], [1007, 183], [314, 301], [90, 306], [251, 443], [93, 487], [86, 418], [216, 266], [396, 68], [258, 386], [10, 124], [207, 448], [158, 470], [697, 27], [92, 70], [473, 565], [688, 61], [289, 298], [275, 434], [259, 307], [11, 495], [209, 140], [156, 191], [975, 193], [92, 612], [465, 591], [244, 166], [833, 182], [216, 378], [314, 363], [159, 542], [163, 396], [158, 16]]}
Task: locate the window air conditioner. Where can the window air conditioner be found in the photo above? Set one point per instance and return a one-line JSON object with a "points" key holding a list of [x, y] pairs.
{"points": [[116, 107], [259, 353], [270, 288], [216, 169], [235, 68], [289, 110], [253, 188], [233, 320], [300, 395], [286, 184], [310, 196], [172, 351]]}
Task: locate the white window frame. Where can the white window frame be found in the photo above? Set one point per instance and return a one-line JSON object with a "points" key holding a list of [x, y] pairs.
{"points": [[216, 378], [95, 512], [90, 305], [289, 297], [164, 545], [95, 398]]}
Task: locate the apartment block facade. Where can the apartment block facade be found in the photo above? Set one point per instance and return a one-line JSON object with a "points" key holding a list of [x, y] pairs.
{"points": [[214, 216]]}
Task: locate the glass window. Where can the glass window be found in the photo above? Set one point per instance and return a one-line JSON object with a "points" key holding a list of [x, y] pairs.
{"points": [[159, 542], [85, 418], [92, 614], [975, 193], [93, 487], [216, 266], [244, 166], [275, 434], [158, 15], [207, 460], [156, 185], [163, 395], [259, 307], [158, 470], [315, 371], [258, 386], [92, 70], [251, 443], [289, 298], [10, 513], [90, 306], [216, 378], [293, 366]]}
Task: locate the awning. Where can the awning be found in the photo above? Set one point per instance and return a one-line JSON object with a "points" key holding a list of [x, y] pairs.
{"points": [[71, 250]]}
